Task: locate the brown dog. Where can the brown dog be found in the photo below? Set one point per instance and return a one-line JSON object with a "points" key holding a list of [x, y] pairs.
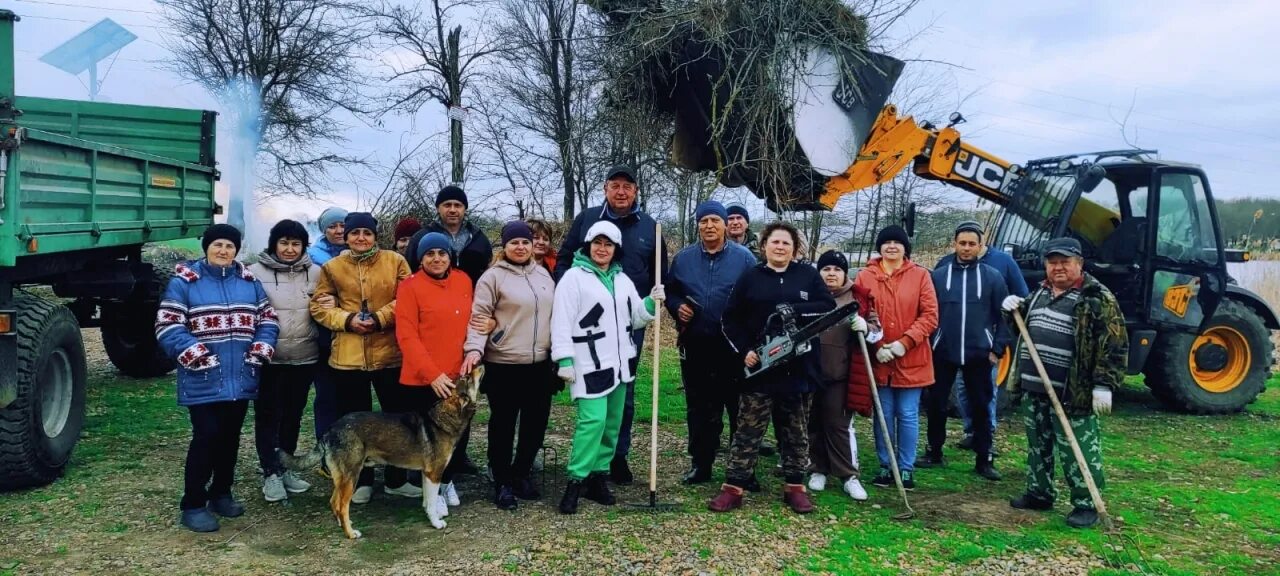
{"points": [[404, 440]]}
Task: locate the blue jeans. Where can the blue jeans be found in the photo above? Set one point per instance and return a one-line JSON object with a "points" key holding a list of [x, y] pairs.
{"points": [[629, 408], [902, 414], [962, 403]]}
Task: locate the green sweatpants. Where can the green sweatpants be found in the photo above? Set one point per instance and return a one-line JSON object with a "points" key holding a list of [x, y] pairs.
{"points": [[1044, 434], [596, 434]]}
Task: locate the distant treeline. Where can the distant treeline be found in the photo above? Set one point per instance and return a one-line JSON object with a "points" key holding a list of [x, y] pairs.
{"points": [[1237, 215]]}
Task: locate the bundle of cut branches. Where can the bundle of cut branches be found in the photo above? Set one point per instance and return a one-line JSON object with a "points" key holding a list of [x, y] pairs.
{"points": [[732, 76]]}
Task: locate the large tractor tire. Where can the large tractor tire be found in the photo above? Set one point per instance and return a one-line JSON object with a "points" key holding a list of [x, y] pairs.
{"points": [[39, 430], [129, 333], [1219, 371]]}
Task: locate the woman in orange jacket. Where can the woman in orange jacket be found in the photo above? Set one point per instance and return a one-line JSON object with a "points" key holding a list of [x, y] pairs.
{"points": [[433, 308], [908, 308]]}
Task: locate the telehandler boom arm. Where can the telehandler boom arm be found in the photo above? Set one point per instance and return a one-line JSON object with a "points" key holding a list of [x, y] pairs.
{"points": [[935, 154]]}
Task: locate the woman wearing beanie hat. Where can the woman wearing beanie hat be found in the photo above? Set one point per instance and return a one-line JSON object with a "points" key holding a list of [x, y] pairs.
{"points": [[517, 294], [833, 449], [783, 394], [405, 229], [218, 368], [596, 308], [333, 239], [908, 308], [362, 282], [289, 278], [433, 307]]}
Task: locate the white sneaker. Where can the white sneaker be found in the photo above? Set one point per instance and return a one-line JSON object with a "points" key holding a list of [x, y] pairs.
{"points": [[362, 495], [442, 506], [407, 490], [273, 489], [451, 494], [817, 482], [854, 489], [294, 484]]}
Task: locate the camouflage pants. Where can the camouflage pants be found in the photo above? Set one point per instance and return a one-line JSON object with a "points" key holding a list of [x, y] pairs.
{"points": [[754, 411], [1044, 435]]}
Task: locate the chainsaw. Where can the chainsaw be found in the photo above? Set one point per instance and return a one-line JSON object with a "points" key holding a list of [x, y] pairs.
{"points": [[794, 341]]}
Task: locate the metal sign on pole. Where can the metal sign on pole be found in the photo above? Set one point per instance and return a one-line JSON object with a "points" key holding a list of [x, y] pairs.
{"points": [[83, 52]]}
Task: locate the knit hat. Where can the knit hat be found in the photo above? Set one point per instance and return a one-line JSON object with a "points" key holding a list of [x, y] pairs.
{"points": [[833, 258], [356, 220], [406, 227], [606, 229], [220, 232], [894, 232], [434, 241], [736, 208], [710, 208], [451, 192], [331, 216], [516, 229], [287, 229], [968, 226]]}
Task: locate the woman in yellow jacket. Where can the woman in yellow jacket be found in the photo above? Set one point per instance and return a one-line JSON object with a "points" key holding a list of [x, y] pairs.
{"points": [[363, 281]]}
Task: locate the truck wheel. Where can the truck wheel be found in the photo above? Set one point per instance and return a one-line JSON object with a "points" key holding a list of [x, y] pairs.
{"points": [[129, 331], [39, 429], [1218, 371]]}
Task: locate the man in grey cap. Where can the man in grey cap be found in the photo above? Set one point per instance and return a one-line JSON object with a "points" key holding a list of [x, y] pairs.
{"points": [[1079, 334], [639, 241]]}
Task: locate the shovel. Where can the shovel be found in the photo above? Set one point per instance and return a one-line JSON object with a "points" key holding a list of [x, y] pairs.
{"points": [[884, 430], [653, 505]]}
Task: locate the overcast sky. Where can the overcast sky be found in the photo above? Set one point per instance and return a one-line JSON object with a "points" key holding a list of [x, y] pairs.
{"points": [[1033, 79]]}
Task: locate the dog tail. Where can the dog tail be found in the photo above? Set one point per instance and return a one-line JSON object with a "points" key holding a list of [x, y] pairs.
{"points": [[302, 463]]}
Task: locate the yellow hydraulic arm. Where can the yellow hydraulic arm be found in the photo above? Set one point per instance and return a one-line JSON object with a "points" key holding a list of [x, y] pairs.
{"points": [[935, 154]]}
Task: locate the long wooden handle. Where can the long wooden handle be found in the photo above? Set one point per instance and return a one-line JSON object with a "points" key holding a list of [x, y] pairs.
{"points": [[1062, 418], [657, 352], [884, 425]]}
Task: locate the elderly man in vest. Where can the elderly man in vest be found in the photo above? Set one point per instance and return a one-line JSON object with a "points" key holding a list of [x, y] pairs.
{"points": [[1079, 334]]}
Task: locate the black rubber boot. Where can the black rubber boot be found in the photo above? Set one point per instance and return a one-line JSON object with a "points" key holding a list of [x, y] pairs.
{"points": [[620, 472], [1029, 502], [597, 490], [569, 502]]}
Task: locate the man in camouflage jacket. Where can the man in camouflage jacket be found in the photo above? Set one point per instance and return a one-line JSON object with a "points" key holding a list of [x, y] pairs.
{"points": [[1079, 333]]}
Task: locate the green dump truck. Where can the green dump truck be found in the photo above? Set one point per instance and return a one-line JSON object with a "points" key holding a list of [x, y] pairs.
{"points": [[84, 186]]}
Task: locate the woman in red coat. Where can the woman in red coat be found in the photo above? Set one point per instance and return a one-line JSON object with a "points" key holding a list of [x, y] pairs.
{"points": [[908, 309], [433, 307]]}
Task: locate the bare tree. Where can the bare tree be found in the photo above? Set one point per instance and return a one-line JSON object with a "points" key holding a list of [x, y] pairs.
{"points": [[284, 67], [429, 63]]}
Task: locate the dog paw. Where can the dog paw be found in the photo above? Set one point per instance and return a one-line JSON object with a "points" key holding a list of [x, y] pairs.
{"points": [[438, 524], [356, 534]]}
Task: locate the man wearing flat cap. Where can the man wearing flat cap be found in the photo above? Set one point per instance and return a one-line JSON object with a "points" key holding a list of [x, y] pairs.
{"points": [[639, 242], [1078, 330]]}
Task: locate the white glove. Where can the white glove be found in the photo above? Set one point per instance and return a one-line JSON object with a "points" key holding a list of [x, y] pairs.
{"points": [[1101, 400], [1011, 303], [658, 293], [884, 355], [566, 373], [897, 348], [859, 324]]}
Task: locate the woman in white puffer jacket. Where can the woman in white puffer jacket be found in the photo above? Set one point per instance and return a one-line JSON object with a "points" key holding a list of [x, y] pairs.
{"points": [[596, 308]]}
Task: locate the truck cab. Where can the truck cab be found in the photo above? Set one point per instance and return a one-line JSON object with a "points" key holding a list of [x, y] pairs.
{"points": [[1150, 233]]}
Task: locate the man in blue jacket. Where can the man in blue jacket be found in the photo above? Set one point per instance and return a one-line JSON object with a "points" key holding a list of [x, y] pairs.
{"points": [[1017, 286], [698, 286], [970, 331], [640, 238]]}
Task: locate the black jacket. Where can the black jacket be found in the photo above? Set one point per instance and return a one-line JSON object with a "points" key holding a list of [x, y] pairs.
{"points": [[474, 258], [970, 323], [754, 300], [638, 244]]}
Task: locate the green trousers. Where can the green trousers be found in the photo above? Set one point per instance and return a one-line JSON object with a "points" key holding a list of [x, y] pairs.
{"points": [[1044, 435], [595, 435]]}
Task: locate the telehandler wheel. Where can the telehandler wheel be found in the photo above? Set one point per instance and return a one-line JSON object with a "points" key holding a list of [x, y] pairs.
{"points": [[40, 428], [1218, 371], [129, 333]]}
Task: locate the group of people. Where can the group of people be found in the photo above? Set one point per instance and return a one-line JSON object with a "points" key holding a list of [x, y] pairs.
{"points": [[358, 321]]}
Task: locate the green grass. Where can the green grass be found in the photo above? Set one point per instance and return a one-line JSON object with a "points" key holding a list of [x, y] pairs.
{"points": [[1197, 495]]}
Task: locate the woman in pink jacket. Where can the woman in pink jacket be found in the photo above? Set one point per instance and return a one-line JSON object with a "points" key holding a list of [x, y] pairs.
{"points": [[908, 309]]}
